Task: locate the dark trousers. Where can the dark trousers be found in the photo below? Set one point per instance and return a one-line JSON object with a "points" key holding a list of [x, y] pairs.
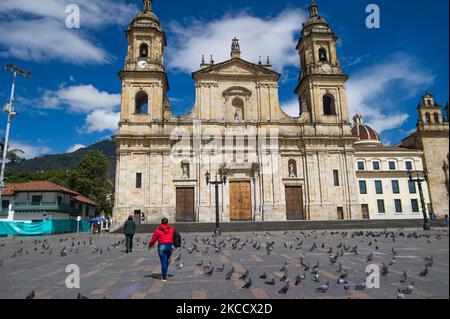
{"points": [[129, 242], [164, 251]]}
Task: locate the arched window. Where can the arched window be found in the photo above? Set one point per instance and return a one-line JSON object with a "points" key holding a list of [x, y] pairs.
{"points": [[436, 118], [328, 105], [238, 109], [427, 118], [141, 103], [143, 50], [323, 55]]}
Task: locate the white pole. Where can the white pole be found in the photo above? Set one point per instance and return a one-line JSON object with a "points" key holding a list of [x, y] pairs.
{"points": [[8, 125]]}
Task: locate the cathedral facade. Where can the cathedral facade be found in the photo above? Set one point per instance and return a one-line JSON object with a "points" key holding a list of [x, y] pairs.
{"points": [[276, 167]]}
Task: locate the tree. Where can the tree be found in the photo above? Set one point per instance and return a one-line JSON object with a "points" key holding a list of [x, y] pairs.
{"points": [[90, 178]]}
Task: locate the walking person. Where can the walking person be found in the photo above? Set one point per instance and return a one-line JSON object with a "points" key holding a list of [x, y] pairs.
{"points": [[446, 220], [164, 235], [129, 229]]}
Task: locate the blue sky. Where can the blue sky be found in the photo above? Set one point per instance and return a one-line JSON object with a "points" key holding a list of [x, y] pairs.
{"points": [[74, 95]]}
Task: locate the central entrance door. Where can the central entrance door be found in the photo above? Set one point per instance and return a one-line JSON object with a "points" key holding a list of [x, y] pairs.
{"points": [[185, 204], [365, 211], [240, 201], [294, 203]]}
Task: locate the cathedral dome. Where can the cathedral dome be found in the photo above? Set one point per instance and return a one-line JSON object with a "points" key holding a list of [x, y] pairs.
{"points": [[366, 134]]}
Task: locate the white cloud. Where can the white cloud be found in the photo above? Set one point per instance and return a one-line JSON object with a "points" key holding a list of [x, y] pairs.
{"points": [[92, 12], [80, 99], [291, 107], [75, 147], [101, 120], [37, 29], [376, 90], [30, 151], [194, 38]]}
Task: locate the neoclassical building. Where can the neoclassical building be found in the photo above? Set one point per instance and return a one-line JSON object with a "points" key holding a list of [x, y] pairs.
{"points": [[277, 167]]}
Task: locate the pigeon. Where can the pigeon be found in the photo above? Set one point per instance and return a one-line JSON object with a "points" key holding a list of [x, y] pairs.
{"points": [[341, 281], [270, 282], [285, 289], [316, 278], [248, 283], [263, 276], [344, 275], [361, 286], [339, 268], [80, 296], [369, 257], [63, 252], [220, 269], [404, 277], [298, 280], [178, 258], [229, 274], [409, 289], [200, 263], [244, 275], [394, 252], [284, 268], [384, 270], [210, 271], [31, 295], [400, 294], [14, 254], [324, 288], [393, 261], [429, 263], [424, 272]]}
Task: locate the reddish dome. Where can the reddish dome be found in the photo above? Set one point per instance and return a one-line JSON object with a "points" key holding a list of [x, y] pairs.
{"points": [[365, 133]]}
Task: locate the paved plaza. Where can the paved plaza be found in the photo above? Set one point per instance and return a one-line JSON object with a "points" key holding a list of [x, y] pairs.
{"points": [[106, 271]]}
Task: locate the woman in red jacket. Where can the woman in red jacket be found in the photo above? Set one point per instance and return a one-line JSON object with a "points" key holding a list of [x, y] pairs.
{"points": [[164, 236]]}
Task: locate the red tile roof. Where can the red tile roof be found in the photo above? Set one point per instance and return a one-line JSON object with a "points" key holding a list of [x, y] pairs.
{"points": [[43, 186]]}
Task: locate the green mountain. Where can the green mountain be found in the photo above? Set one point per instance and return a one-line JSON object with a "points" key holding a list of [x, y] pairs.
{"points": [[69, 160]]}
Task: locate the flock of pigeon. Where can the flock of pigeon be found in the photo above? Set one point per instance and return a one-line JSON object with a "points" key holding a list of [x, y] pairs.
{"points": [[346, 243], [335, 254]]}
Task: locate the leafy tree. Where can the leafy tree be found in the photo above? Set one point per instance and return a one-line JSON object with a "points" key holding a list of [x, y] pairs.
{"points": [[90, 178], [12, 155]]}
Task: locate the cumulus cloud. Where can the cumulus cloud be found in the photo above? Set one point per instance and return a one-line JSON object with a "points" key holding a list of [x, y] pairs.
{"points": [[80, 99], [192, 38], [37, 29], [291, 107], [375, 91], [30, 150], [75, 147], [101, 120]]}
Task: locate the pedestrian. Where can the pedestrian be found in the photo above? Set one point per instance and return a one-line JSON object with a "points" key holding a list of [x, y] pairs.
{"points": [[129, 229], [446, 220], [164, 235]]}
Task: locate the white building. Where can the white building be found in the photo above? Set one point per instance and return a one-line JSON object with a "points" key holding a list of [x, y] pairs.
{"points": [[382, 172], [42, 200]]}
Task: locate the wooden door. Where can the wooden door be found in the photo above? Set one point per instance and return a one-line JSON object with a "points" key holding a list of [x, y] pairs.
{"points": [[240, 201], [365, 211], [137, 217], [294, 203], [185, 205]]}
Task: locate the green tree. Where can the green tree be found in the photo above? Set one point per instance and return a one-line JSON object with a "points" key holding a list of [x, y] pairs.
{"points": [[12, 155], [90, 178]]}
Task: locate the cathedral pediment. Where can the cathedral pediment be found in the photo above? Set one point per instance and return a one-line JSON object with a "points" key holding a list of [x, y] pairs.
{"points": [[236, 66]]}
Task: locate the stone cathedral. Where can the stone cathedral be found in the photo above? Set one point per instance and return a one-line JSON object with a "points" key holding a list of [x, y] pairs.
{"points": [[277, 167]]}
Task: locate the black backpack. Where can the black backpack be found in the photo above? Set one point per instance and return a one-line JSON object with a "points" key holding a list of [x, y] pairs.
{"points": [[176, 239]]}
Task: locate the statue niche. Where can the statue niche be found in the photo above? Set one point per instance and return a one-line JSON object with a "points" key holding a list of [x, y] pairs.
{"points": [[292, 168]]}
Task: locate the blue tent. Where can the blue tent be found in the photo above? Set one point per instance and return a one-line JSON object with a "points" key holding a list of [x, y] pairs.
{"points": [[97, 219]]}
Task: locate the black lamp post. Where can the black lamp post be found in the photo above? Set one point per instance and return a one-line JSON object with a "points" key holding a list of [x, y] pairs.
{"points": [[216, 183], [418, 180]]}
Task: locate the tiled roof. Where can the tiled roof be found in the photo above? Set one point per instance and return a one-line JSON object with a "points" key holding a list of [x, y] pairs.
{"points": [[43, 186]]}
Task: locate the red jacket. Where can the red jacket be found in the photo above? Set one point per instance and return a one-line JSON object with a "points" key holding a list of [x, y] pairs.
{"points": [[163, 234]]}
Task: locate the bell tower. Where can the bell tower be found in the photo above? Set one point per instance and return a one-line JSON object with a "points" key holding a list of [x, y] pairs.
{"points": [[321, 87], [144, 80]]}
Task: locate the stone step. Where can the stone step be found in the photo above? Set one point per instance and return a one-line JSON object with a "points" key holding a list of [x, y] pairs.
{"points": [[289, 225]]}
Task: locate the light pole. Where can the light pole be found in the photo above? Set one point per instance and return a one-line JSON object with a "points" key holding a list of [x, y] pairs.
{"points": [[9, 108], [418, 180], [216, 183]]}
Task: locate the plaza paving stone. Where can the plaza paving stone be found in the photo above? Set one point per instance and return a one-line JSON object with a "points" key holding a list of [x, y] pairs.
{"points": [[116, 275]]}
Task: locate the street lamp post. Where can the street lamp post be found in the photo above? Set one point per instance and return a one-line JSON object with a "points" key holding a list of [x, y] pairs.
{"points": [[216, 183], [419, 181], [9, 108]]}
